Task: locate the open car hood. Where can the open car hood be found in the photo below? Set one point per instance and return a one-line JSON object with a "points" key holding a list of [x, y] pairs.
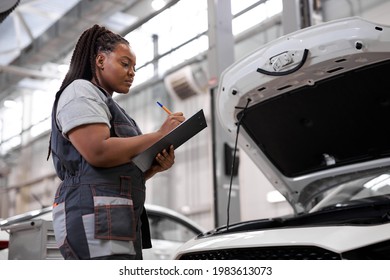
{"points": [[312, 106]]}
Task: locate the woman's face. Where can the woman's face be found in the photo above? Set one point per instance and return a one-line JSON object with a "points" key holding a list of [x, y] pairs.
{"points": [[115, 70]]}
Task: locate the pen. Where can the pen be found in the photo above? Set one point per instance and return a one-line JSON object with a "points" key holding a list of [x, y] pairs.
{"points": [[165, 108]]}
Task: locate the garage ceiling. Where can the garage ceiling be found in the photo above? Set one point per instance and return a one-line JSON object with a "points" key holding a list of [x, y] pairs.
{"points": [[40, 31]]}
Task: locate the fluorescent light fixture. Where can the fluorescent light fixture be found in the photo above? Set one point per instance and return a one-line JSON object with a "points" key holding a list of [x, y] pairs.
{"points": [[10, 103]]}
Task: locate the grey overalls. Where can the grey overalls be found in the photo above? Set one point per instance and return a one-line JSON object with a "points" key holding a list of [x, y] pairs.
{"points": [[98, 211]]}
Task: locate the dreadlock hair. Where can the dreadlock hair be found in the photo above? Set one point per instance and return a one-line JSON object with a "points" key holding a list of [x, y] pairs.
{"points": [[82, 64]]}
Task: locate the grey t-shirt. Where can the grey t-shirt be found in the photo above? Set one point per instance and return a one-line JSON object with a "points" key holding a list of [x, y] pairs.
{"points": [[80, 103]]}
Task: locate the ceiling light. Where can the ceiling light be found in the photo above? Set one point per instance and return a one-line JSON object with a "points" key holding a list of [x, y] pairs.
{"points": [[9, 103]]}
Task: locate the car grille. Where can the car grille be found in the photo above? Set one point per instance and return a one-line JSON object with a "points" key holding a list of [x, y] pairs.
{"points": [[265, 253]]}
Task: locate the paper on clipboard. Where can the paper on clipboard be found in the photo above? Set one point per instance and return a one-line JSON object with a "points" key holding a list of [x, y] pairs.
{"points": [[176, 137]]}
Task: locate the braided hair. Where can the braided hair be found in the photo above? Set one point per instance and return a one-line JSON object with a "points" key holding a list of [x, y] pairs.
{"points": [[93, 40], [82, 64]]}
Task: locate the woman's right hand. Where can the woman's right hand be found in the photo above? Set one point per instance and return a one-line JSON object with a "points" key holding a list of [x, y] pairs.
{"points": [[171, 122]]}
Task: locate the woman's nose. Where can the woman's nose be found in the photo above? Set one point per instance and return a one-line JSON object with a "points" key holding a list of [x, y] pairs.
{"points": [[132, 72]]}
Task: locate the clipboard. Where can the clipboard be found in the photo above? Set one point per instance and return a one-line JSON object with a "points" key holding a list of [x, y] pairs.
{"points": [[181, 134]]}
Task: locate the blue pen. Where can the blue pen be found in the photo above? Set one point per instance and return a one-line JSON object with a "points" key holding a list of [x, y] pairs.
{"points": [[165, 108]]}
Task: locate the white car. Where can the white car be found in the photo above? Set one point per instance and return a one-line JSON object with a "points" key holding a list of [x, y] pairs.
{"points": [[32, 235], [313, 111]]}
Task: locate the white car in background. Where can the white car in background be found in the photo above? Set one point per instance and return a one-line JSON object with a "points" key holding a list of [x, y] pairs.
{"points": [[30, 235], [4, 241], [313, 111]]}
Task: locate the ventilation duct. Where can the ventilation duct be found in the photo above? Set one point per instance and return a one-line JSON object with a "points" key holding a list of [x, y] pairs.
{"points": [[186, 82], [6, 7]]}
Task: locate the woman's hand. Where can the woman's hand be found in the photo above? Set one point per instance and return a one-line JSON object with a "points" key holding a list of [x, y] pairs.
{"points": [[163, 161], [171, 122]]}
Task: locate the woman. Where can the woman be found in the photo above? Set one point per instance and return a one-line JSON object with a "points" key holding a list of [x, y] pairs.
{"points": [[99, 206]]}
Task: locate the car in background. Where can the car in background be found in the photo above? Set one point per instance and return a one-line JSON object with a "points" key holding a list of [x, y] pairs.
{"points": [[312, 110], [169, 230], [30, 235], [4, 241]]}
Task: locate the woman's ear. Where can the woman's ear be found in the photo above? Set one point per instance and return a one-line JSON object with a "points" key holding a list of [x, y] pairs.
{"points": [[100, 58]]}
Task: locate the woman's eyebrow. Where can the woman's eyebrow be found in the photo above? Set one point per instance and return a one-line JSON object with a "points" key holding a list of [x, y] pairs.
{"points": [[132, 61], [126, 57]]}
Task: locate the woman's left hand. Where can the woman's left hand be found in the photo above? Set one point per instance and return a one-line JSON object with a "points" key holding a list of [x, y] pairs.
{"points": [[163, 161]]}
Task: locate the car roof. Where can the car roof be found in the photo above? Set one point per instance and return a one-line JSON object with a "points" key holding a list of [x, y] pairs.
{"points": [[26, 216]]}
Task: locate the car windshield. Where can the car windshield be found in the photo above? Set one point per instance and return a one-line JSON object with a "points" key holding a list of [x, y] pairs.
{"points": [[348, 189], [165, 228]]}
